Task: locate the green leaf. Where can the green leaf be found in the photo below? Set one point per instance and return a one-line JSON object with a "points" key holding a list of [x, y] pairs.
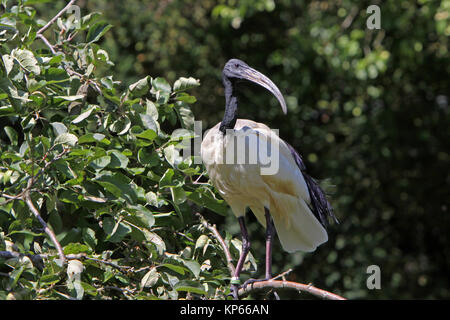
{"points": [[157, 241], [66, 138], [190, 286], [75, 248], [118, 184], [150, 278], [26, 60], [160, 84], [118, 160], [8, 61], [193, 266], [97, 31], [185, 83], [154, 200], [7, 111], [12, 135], [178, 269], [205, 200], [59, 128], [70, 98], [49, 279], [89, 237], [166, 180], [84, 115], [140, 87], [169, 154], [56, 75], [93, 137], [187, 117], [184, 97], [148, 134], [148, 158], [148, 122], [178, 195], [151, 109], [100, 163], [144, 215], [121, 126], [201, 242], [116, 231]]}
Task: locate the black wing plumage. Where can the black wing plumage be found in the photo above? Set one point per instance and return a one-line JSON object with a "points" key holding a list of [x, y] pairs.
{"points": [[320, 206]]}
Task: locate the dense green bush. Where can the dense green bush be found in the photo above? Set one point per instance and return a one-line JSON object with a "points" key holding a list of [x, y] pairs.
{"points": [[102, 167], [368, 109]]}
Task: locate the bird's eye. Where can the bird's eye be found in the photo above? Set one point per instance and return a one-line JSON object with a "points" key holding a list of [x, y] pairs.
{"points": [[236, 65]]}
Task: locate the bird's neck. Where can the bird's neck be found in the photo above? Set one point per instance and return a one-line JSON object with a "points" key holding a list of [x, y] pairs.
{"points": [[231, 104]]}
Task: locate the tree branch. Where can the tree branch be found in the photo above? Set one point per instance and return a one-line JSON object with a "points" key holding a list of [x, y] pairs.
{"points": [[219, 238], [271, 283], [78, 256], [279, 284], [25, 196], [50, 233], [59, 14]]}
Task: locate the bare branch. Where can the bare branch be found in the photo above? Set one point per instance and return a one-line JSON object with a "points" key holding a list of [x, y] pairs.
{"points": [[50, 233], [59, 14], [219, 238], [50, 46], [47, 43], [279, 284], [78, 256], [349, 19]]}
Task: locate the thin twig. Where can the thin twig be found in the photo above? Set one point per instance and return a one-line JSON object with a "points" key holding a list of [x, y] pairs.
{"points": [[59, 14], [219, 238], [282, 275], [47, 43], [50, 233], [278, 284], [349, 19], [78, 256], [7, 196], [70, 71]]}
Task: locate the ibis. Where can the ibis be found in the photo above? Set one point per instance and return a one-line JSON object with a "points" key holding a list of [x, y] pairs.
{"points": [[286, 201]]}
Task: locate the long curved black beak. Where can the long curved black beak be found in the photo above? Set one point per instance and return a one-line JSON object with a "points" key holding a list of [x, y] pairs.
{"points": [[257, 77]]}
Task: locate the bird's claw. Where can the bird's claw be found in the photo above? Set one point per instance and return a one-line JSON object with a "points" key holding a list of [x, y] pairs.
{"points": [[251, 281], [234, 288], [234, 291]]}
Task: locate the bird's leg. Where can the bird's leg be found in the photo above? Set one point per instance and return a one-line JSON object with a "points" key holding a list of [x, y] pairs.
{"points": [[235, 282], [270, 233]]}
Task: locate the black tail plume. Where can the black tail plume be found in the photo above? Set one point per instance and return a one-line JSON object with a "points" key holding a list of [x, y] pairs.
{"points": [[320, 206]]}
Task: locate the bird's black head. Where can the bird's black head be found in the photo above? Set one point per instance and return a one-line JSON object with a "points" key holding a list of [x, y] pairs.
{"points": [[236, 69]]}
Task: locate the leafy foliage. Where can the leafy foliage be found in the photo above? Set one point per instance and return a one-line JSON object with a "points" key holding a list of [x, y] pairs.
{"points": [[103, 170], [367, 109]]}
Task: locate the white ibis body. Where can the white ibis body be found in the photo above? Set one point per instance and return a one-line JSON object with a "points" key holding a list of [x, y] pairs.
{"points": [[287, 199]]}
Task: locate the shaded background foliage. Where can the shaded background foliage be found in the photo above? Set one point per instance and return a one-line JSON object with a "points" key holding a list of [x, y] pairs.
{"points": [[368, 109]]}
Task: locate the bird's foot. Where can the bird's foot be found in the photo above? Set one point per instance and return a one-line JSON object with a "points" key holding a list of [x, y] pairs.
{"points": [[234, 291], [251, 281], [234, 288]]}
